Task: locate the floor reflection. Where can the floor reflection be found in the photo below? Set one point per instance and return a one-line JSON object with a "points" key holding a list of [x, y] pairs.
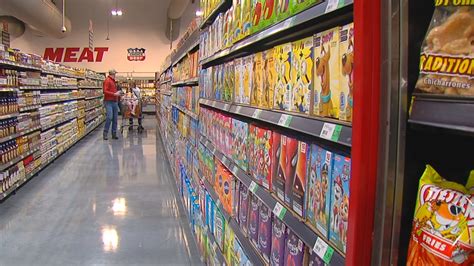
{"points": [[110, 238], [119, 207]]}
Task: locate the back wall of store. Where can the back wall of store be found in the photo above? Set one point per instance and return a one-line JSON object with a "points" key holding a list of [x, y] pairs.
{"points": [[142, 26]]}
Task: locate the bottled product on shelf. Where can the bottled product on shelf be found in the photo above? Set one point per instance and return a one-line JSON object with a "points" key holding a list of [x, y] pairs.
{"points": [[8, 102]]}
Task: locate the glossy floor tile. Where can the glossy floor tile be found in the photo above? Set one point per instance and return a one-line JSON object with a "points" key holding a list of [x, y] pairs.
{"points": [[101, 203]]}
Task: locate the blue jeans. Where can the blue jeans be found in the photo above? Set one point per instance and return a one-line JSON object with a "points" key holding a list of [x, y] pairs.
{"points": [[111, 109]]}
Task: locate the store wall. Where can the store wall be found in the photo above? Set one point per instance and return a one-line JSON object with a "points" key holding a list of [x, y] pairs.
{"points": [[142, 26]]}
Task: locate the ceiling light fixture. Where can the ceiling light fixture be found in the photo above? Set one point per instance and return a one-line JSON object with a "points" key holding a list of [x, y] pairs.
{"points": [[199, 13], [116, 11], [119, 12]]}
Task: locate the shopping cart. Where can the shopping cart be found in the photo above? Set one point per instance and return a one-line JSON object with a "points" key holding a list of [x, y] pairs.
{"points": [[127, 103]]}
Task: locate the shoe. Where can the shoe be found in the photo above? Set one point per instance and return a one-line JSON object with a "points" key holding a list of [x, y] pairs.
{"points": [[114, 137], [105, 137]]}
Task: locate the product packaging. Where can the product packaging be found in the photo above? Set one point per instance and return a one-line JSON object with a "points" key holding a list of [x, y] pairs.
{"points": [[237, 17], [327, 73], [443, 222], [265, 231], [257, 89], [314, 259], [264, 14], [240, 143], [292, 156], [280, 174], [244, 200], [299, 179], [269, 78], [275, 159], [253, 152], [238, 81], [341, 175], [219, 232], [247, 77], [294, 249], [240, 258], [346, 50], [229, 192], [228, 244], [246, 18], [283, 9], [254, 219], [300, 5], [302, 75], [264, 164], [283, 87], [277, 257]]}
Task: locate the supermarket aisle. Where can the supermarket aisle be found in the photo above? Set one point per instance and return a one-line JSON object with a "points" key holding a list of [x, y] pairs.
{"points": [[109, 203]]}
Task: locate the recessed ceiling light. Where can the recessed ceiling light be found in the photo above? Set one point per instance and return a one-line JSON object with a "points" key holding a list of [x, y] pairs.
{"points": [[119, 12], [199, 13], [114, 12]]}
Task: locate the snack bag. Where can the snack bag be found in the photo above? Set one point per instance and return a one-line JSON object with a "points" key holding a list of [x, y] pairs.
{"points": [[443, 225], [447, 56]]}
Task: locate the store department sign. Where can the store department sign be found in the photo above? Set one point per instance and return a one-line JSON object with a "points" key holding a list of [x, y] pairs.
{"points": [[136, 54], [75, 54]]}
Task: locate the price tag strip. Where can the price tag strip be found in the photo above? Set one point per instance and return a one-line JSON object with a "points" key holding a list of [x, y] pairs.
{"points": [[256, 113], [238, 108], [333, 5], [323, 250], [253, 187], [331, 131], [279, 211], [285, 120]]}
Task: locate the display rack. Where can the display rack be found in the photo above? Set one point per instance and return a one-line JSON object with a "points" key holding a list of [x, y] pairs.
{"points": [[188, 82], [221, 7]]}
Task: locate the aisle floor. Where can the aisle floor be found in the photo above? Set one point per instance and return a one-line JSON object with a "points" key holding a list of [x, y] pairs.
{"points": [[101, 203]]}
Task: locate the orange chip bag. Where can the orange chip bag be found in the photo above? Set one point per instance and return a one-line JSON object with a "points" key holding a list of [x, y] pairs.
{"points": [[443, 224]]}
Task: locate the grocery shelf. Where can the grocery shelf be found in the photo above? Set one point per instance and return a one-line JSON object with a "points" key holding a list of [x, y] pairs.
{"points": [[187, 82], [221, 7], [61, 100], [92, 118], [48, 88], [94, 78], [186, 111], [90, 87], [29, 107], [93, 107], [57, 124], [39, 168], [9, 116], [17, 159], [190, 44], [443, 112], [308, 21], [216, 247], [16, 135], [165, 81], [44, 71], [94, 97], [168, 93], [301, 229], [7, 89], [329, 129], [16, 65]]}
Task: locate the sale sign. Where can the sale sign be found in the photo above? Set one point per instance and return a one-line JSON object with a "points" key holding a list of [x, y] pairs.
{"points": [[75, 54]]}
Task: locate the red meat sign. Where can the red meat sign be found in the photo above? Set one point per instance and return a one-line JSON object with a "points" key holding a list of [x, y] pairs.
{"points": [[136, 54]]}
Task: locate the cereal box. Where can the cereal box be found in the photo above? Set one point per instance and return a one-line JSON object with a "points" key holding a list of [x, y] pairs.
{"points": [[275, 158], [264, 163], [300, 5], [253, 152], [294, 249], [219, 178], [319, 187], [269, 78], [299, 180], [229, 244], [327, 73], [278, 242], [265, 231], [341, 175], [279, 179], [228, 192], [240, 143], [263, 14], [302, 75], [227, 135], [346, 50], [282, 93], [228, 81], [219, 228], [283, 9], [246, 17], [314, 259], [240, 258], [247, 78], [254, 219], [238, 81], [257, 90], [237, 18], [292, 156], [243, 207]]}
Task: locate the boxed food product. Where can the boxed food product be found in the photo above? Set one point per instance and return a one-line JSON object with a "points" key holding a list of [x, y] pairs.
{"points": [[443, 228], [229, 192], [229, 244], [237, 18], [229, 81], [283, 9], [219, 178], [446, 60], [257, 90], [302, 75], [318, 196], [265, 231], [278, 242], [253, 152], [269, 78], [327, 73], [244, 199], [294, 249], [346, 50], [227, 135], [264, 163], [240, 258], [300, 5], [219, 223], [292, 156], [283, 85], [247, 78], [238, 81], [254, 219], [299, 180], [341, 175], [314, 259], [279, 179], [246, 17], [240, 143]]}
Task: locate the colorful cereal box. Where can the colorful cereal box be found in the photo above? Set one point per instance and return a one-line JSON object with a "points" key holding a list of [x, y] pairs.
{"points": [[257, 89], [294, 249], [240, 258], [237, 19], [280, 174], [229, 192], [238, 81], [219, 223], [277, 257], [346, 50], [319, 189], [264, 163], [275, 154], [327, 74], [314, 259], [247, 78], [341, 175], [229, 244], [302, 75], [300, 5], [282, 93], [254, 219], [283, 9], [299, 180], [265, 231], [253, 151], [244, 200], [269, 78], [292, 156], [246, 17], [240, 143]]}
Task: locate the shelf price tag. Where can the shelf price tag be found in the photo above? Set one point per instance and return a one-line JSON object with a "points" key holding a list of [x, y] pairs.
{"points": [[238, 109], [323, 250], [253, 187], [333, 5], [279, 211], [285, 120], [226, 107], [235, 169], [256, 113], [331, 131]]}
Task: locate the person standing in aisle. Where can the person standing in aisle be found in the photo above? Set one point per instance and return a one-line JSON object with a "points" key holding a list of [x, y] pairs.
{"points": [[111, 98], [136, 93]]}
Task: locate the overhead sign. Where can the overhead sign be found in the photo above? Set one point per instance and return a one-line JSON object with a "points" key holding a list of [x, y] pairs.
{"points": [[75, 54], [136, 54]]}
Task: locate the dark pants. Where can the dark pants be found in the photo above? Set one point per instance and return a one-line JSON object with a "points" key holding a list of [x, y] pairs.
{"points": [[130, 121]]}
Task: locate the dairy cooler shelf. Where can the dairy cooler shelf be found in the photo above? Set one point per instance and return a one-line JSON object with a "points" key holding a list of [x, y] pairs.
{"points": [[301, 229], [299, 24], [187, 82], [329, 129], [16, 135], [17, 159], [39, 168]]}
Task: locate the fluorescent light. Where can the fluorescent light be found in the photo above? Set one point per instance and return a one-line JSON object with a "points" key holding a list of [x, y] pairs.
{"points": [[199, 13], [119, 12], [114, 12]]}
